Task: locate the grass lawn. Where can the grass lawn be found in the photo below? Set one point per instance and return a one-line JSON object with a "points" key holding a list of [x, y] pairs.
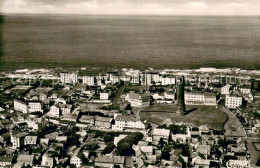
{"points": [[197, 115]]}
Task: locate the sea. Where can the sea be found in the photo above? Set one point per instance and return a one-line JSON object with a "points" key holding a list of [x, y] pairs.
{"points": [[183, 42]]}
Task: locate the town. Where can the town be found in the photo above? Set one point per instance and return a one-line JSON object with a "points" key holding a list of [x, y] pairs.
{"points": [[130, 118]]}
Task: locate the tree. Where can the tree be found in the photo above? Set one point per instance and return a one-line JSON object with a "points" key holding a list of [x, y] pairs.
{"points": [[165, 155], [92, 146], [124, 148], [108, 138], [161, 143], [109, 148], [258, 162]]}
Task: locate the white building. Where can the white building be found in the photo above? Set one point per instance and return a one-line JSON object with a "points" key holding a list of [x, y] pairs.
{"points": [[161, 133], [104, 95], [225, 90], [47, 160], [197, 98], [168, 80], [54, 111], [69, 78], [75, 160], [245, 90], [17, 139], [30, 140], [233, 101], [112, 77], [35, 106], [89, 80], [135, 79], [65, 108], [237, 163], [127, 122], [138, 99], [20, 106]]}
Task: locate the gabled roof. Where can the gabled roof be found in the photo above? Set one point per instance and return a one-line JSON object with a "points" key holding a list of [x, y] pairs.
{"points": [[203, 128], [110, 159]]}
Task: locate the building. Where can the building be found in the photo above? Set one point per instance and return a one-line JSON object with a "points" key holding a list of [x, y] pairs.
{"points": [[110, 161], [69, 78], [6, 161], [30, 140], [104, 122], [89, 80], [237, 163], [27, 160], [161, 133], [200, 98], [245, 89], [225, 90], [47, 160], [135, 79], [138, 99], [17, 139], [112, 77], [127, 122], [65, 108], [75, 160], [233, 101], [35, 106], [104, 95], [168, 80], [21, 106], [55, 111]]}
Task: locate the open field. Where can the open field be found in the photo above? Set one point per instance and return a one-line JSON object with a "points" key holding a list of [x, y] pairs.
{"points": [[197, 115]]}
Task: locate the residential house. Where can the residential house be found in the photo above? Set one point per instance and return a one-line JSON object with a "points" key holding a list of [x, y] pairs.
{"points": [[161, 133], [6, 161], [104, 122], [27, 160], [30, 140], [110, 161], [75, 160], [127, 122]]}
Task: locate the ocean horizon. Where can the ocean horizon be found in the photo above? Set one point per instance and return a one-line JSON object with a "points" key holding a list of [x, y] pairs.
{"points": [[182, 42]]}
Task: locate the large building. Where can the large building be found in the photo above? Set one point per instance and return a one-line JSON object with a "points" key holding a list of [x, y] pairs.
{"points": [[127, 122], [233, 101], [200, 98], [35, 106], [89, 80], [225, 90], [138, 99], [21, 106], [69, 78]]}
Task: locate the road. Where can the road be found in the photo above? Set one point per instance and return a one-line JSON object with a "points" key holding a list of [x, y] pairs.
{"points": [[233, 126]]}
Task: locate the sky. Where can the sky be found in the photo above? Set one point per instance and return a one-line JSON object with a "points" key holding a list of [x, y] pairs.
{"points": [[132, 7]]}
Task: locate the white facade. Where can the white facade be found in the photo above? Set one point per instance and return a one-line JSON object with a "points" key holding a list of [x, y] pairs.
{"points": [[34, 107], [238, 163], [225, 90], [89, 80], [168, 80], [30, 140], [245, 90], [71, 78], [54, 111], [233, 101], [104, 95], [194, 98], [123, 121], [75, 160], [20, 106]]}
